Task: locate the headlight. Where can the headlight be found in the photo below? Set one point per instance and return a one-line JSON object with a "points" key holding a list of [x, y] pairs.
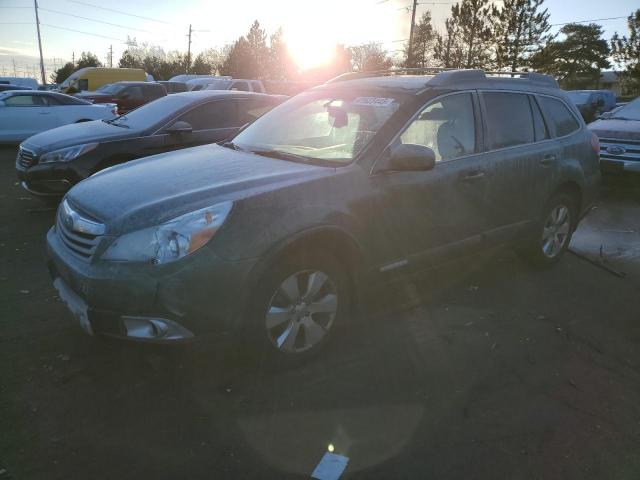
{"points": [[67, 154], [171, 240]]}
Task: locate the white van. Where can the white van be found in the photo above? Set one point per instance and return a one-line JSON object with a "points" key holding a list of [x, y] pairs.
{"points": [[31, 83]]}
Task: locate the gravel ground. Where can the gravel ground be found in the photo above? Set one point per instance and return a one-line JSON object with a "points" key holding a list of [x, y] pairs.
{"points": [[483, 369]]}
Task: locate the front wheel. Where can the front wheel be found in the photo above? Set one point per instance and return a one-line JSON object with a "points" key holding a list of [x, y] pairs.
{"points": [[554, 230], [297, 305]]}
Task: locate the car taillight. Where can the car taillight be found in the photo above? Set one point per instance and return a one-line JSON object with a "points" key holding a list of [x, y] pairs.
{"points": [[595, 143]]}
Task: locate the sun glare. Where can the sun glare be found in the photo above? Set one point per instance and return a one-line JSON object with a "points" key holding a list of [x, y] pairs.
{"points": [[310, 52], [312, 34]]}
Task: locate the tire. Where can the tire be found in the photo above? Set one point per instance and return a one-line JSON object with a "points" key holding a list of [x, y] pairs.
{"points": [[298, 304], [553, 231]]}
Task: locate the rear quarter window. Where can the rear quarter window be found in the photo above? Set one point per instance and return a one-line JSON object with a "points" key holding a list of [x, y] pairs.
{"points": [[561, 120]]}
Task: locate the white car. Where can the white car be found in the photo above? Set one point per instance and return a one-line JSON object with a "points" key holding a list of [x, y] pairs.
{"points": [[24, 113]]}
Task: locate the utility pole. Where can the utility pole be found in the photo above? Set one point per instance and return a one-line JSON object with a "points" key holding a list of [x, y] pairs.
{"points": [[189, 51], [110, 56], [13, 59], [44, 78], [413, 21], [73, 58]]}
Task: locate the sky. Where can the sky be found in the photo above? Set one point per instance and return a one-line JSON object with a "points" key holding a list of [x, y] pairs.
{"points": [[311, 27]]}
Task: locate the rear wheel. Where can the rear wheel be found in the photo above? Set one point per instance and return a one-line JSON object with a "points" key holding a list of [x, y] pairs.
{"points": [[297, 306], [554, 230]]}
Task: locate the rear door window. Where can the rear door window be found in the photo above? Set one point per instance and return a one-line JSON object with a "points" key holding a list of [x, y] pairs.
{"points": [[24, 101], [509, 119], [561, 120], [212, 115], [135, 93], [253, 108]]}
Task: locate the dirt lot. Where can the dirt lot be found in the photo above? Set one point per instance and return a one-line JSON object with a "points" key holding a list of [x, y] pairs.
{"points": [[485, 369]]}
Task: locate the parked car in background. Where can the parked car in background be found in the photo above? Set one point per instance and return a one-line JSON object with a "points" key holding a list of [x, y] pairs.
{"points": [[24, 113], [201, 82], [592, 103], [187, 77], [50, 163], [92, 78], [127, 95], [7, 86], [31, 83], [619, 134], [174, 87], [240, 84], [364, 177]]}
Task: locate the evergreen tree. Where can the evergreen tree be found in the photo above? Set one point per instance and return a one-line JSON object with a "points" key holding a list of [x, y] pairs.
{"points": [[577, 60], [625, 51], [520, 29], [422, 51]]}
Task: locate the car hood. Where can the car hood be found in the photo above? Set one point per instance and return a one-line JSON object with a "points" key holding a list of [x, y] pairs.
{"points": [[77, 134], [155, 189], [618, 129]]}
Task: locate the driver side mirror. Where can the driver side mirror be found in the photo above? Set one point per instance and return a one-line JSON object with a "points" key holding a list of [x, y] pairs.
{"points": [[179, 127], [409, 157]]}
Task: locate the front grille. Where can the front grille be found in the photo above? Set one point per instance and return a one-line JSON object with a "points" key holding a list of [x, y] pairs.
{"points": [[81, 243], [26, 158], [622, 150]]}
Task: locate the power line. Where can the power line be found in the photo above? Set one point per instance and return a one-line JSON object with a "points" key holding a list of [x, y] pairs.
{"points": [[94, 20], [118, 11], [588, 21], [84, 33]]}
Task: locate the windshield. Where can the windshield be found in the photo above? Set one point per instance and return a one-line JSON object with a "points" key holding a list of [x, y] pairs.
{"points": [[152, 113], [579, 98], [630, 111], [320, 126], [110, 88]]}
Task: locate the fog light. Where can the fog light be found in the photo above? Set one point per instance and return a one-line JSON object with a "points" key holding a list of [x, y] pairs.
{"points": [[150, 328]]}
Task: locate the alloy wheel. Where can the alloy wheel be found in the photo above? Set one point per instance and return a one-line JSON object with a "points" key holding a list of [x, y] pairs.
{"points": [[301, 311], [556, 231]]}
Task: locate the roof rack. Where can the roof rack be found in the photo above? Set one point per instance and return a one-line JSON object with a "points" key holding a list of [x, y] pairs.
{"points": [[389, 72], [448, 76]]}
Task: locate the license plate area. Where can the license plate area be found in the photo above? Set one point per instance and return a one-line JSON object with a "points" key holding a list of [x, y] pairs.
{"points": [[74, 303]]}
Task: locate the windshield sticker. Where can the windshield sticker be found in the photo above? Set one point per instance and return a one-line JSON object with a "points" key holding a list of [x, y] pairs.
{"points": [[373, 101]]}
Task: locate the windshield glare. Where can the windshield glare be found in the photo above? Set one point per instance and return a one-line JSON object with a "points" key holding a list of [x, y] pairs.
{"points": [[109, 88], [152, 113], [630, 110], [320, 126], [219, 85]]}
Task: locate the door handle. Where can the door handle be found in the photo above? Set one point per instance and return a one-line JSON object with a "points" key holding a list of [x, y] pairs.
{"points": [[45, 113], [472, 175], [548, 160]]}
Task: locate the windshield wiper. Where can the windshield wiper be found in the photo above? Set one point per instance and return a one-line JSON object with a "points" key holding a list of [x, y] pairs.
{"points": [[113, 122], [280, 155], [230, 145], [623, 118]]}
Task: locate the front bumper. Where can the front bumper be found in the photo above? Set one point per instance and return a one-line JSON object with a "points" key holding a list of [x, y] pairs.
{"points": [[48, 179], [155, 303], [619, 166]]}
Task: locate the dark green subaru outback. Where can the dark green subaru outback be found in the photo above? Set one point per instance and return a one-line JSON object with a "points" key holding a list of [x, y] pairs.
{"points": [[271, 234]]}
